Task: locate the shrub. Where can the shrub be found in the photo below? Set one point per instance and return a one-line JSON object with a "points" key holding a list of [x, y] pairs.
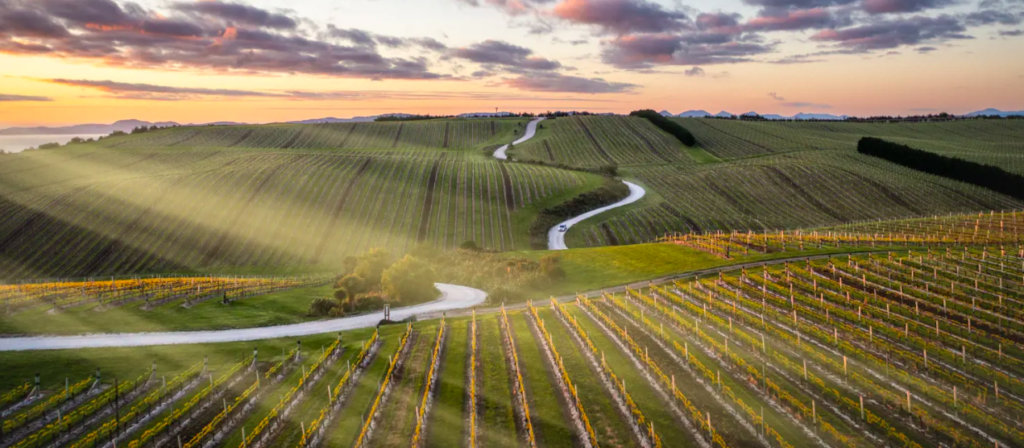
{"points": [[469, 245], [322, 306], [371, 265], [675, 129], [410, 280]]}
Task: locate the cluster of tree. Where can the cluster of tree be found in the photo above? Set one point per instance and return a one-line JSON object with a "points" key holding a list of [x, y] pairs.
{"points": [[410, 117], [53, 145], [144, 129], [987, 176], [373, 279], [569, 113], [611, 192], [673, 128]]}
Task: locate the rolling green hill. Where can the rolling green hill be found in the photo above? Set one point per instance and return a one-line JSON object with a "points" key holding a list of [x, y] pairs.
{"points": [[275, 198], [784, 175], [444, 134], [88, 210]]}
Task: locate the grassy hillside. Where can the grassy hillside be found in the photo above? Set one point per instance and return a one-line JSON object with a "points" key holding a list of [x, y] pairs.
{"points": [[293, 198], [995, 142], [783, 175], [595, 141], [81, 211], [446, 134]]}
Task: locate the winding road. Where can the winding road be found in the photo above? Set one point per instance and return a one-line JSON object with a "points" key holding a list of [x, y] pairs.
{"points": [[531, 130], [556, 238], [453, 297]]}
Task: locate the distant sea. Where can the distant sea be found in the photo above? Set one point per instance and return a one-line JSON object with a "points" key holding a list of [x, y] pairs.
{"points": [[18, 143]]}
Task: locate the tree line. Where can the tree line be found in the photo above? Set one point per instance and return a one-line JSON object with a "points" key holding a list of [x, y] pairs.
{"points": [[673, 128], [987, 176]]}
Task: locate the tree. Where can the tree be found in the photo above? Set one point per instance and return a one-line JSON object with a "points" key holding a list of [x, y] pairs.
{"points": [[348, 288], [371, 265], [410, 280]]}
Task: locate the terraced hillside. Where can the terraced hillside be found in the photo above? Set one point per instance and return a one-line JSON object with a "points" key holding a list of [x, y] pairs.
{"points": [[83, 211], [445, 134], [930, 354]]}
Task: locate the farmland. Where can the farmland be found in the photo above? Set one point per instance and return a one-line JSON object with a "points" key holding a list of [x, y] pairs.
{"points": [[84, 212], [993, 142], [446, 134], [599, 141], [789, 175], [917, 347]]}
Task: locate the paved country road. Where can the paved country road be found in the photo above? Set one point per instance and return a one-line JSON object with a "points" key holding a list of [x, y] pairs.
{"points": [[556, 238], [453, 297], [531, 130]]}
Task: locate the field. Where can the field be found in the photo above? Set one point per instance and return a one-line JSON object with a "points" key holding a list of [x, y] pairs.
{"points": [[446, 134], [598, 141], [781, 175], [911, 348], [290, 199], [84, 211]]}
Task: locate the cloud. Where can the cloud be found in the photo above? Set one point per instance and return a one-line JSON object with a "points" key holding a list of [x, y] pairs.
{"points": [[621, 16], [695, 71], [151, 91], [721, 75], [798, 4], [369, 39], [886, 34], [221, 37], [718, 20], [924, 50], [775, 96], [644, 51], [512, 57], [898, 6], [796, 19], [1011, 33], [11, 98], [510, 7], [237, 13], [554, 82], [798, 104], [992, 16]]}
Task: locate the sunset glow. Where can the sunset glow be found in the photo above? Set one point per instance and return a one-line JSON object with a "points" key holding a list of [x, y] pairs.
{"points": [[66, 62]]}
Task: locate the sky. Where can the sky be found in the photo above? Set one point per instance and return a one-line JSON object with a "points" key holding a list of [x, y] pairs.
{"points": [[96, 61]]}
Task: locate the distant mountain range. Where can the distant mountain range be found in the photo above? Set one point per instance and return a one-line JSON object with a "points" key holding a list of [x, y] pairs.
{"points": [[128, 125], [989, 112], [724, 114], [84, 129]]}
